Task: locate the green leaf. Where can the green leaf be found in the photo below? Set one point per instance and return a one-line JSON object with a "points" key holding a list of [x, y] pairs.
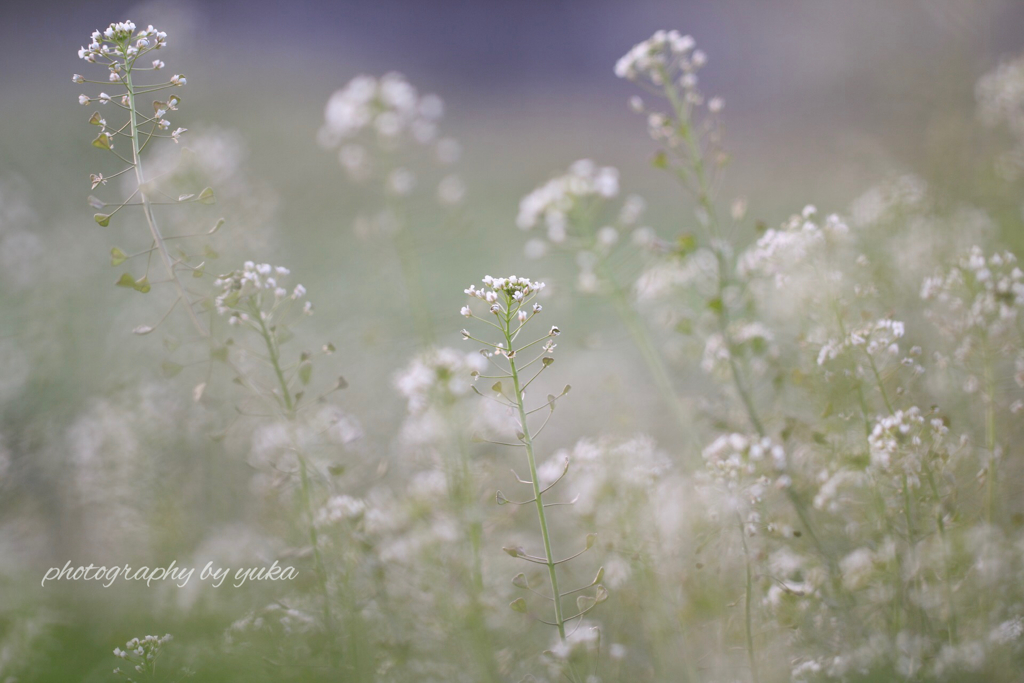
{"points": [[170, 369], [219, 353], [102, 141], [117, 257], [199, 271], [206, 196], [305, 372], [496, 387], [142, 285], [518, 605], [519, 581], [547, 360], [209, 253], [126, 280], [96, 119], [102, 218], [716, 304], [660, 160]]}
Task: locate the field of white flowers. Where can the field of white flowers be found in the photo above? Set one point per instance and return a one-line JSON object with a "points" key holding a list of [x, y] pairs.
{"points": [[677, 444]]}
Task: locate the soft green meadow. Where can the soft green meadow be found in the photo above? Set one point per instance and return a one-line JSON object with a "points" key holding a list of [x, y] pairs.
{"points": [[703, 433]]}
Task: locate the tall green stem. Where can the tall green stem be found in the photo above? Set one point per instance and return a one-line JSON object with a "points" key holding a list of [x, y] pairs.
{"points": [[747, 606], [549, 559], [321, 570], [990, 434], [147, 207]]}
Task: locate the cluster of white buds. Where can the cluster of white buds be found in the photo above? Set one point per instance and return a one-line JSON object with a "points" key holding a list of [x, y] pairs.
{"points": [[731, 457], [795, 241], [879, 338], [753, 339], [980, 293], [573, 211], [901, 441], [116, 41], [517, 288], [371, 114], [119, 48], [340, 508], [390, 106], [666, 64], [141, 653], [554, 202], [255, 285], [438, 375], [511, 300], [660, 57]]}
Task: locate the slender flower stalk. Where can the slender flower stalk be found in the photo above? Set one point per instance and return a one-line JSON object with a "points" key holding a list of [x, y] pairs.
{"points": [[119, 48], [512, 304], [147, 208], [255, 298]]}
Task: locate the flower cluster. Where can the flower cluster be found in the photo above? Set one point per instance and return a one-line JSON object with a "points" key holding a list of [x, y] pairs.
{"points": [[340, 508], [658, 58], [778, 250], [368, 120], [880, 338], [903, 442], [116, 42], [669, 62], [438, 374], [576, 214], [751, 339], [114, 48], [252, 288], [733, 458], [141, 653], [555, 202], [389, 106], [507, 296], [981, 293]]}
